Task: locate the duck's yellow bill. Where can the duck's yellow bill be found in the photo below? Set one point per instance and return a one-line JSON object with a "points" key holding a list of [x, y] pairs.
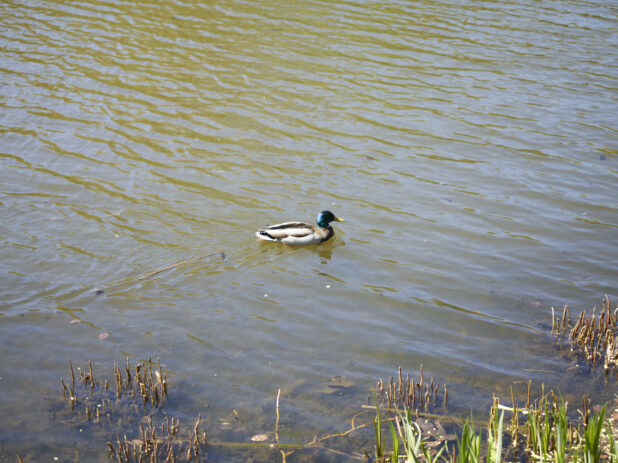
{"points": [[339, 219]]}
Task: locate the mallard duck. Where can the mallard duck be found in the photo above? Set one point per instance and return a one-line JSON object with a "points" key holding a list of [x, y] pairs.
{"points": [[300, 233]]}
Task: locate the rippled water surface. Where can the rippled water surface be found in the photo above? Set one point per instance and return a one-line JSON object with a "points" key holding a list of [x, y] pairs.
{"points": [[471, 147]]}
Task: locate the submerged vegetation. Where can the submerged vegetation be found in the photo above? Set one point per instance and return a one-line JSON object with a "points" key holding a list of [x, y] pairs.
{"points": [[401, 425], [406, 393], [540, 432], [162, 444], [125, 404], [593, 335], [143, 384]]}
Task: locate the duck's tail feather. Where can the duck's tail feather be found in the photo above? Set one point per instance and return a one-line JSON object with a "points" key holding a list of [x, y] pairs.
{"points": [[264, 235]]}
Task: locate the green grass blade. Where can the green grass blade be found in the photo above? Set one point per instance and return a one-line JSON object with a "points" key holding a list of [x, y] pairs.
{"points": [[377, 426], [562, 428], [395, 439], [498, 440], [592, 436], [613, 448]]}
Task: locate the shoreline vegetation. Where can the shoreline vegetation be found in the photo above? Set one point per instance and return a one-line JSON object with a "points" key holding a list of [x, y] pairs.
{"points": [[130, 409]]}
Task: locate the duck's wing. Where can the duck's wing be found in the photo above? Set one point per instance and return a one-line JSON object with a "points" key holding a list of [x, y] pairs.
{"points": [[281, 231], [317, 236]]}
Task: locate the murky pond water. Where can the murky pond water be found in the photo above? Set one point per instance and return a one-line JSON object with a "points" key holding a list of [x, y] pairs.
{"points": [[471, 147]]}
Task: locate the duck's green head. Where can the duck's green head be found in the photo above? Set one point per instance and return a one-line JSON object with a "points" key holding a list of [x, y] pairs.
{"points": [[326, 217]]}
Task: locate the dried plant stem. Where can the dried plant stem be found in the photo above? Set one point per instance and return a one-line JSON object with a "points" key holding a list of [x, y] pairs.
{"points": [[445, 418], [277, 421], [408, 393]]}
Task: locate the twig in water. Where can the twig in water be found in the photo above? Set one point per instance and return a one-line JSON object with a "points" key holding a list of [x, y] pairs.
{"points": [[148, 275], [317, 442]]}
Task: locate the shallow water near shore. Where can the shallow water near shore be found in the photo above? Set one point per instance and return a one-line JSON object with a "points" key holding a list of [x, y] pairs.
{"points": [[471, 148]]}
